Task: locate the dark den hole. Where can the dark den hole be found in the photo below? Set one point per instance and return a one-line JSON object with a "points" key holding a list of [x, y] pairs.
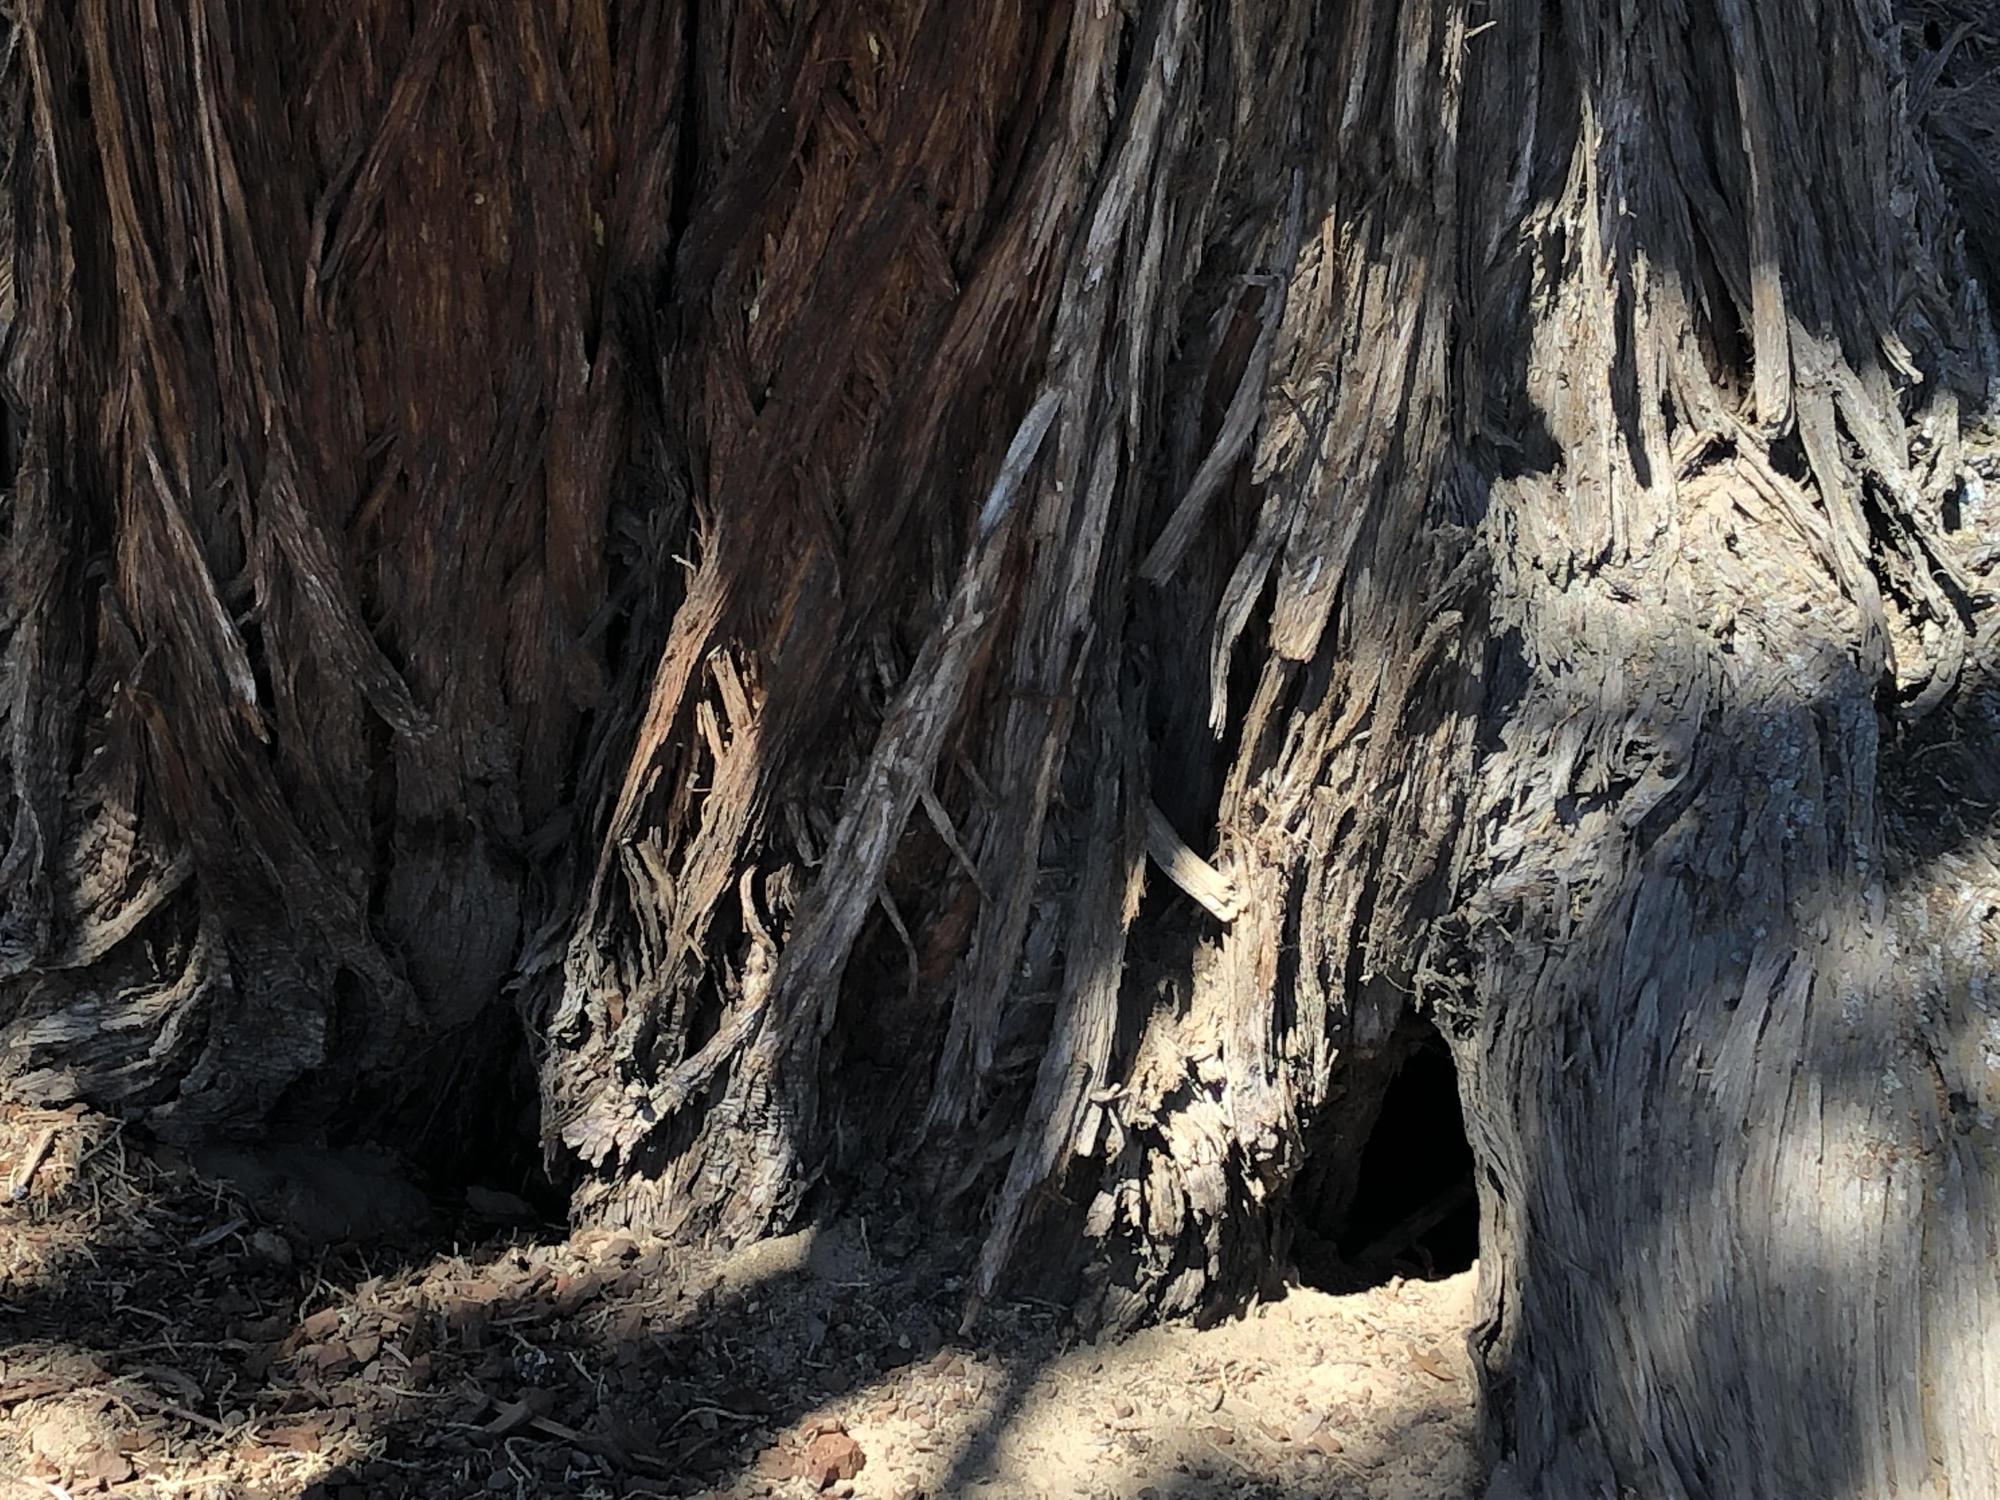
{"points": [[1414, 1209]]}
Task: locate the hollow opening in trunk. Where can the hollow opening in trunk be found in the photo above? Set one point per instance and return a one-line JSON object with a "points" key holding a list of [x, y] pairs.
{"points": [[479, 1142], [1393, 1194], [459, 1126], [452, 1159], [1414, 1208]]}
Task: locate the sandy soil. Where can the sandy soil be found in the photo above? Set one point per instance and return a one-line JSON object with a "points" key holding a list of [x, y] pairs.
{"points": [[164, 1332]]}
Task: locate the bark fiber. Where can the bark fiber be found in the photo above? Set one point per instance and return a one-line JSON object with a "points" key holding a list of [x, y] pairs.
{"points": [[1023, 591]]}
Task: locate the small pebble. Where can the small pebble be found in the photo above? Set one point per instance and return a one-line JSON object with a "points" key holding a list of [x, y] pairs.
{"points": [[269, 1245]]}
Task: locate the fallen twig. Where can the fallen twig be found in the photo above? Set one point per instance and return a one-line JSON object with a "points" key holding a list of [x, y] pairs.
{"points": [[24, 1176], [218, 1234], [160, 1406]]}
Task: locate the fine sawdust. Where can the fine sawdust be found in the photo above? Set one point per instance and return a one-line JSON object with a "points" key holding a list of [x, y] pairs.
{"points": [[159, 1335]]}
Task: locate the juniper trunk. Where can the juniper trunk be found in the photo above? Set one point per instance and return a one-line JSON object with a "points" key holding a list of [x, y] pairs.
{"points": [[1031, 591]]}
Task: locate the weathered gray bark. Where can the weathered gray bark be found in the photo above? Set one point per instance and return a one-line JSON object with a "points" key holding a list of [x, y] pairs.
{"points": [[1728, 879], [1023, 589]]}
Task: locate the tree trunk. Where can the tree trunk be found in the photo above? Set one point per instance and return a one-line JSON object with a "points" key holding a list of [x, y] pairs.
{"points": [[1028, 593]]}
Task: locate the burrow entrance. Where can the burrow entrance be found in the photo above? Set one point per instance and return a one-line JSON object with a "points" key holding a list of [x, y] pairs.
{"points": [[1406, 1206], [483, 1134]]}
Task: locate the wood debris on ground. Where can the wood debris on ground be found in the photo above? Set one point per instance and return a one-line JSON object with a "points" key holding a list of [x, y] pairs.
{"points": [[155, 1340]]}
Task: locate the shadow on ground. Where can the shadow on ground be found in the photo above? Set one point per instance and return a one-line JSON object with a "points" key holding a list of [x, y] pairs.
{"points": [[158, 1338]]}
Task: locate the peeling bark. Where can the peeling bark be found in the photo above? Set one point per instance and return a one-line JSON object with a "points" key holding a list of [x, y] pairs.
{"points": [[1340, 517]]}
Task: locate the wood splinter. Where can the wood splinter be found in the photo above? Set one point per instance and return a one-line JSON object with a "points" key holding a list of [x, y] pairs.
{"points": [[24, 1178], [1216, 892]]}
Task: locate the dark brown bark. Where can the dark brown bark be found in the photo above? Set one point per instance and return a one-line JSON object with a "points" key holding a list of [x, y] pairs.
{"points": [[321, 428], [1025, 589]]}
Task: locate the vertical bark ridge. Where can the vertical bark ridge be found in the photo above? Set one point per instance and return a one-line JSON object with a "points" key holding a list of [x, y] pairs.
{"points": [[1490, 502], [1703, 976], [322, 427]]}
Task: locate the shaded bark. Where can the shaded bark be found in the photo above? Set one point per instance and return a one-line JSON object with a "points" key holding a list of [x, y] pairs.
{"points": [[309, 534], [1020, 590]]}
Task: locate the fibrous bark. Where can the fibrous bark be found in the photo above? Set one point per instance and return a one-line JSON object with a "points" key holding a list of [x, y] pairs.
{"points": [[1727, 878], [308, 540], [1021, 590]]}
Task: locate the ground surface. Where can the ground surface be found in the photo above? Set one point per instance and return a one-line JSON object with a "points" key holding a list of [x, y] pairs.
{"points": [[164, 1332]]}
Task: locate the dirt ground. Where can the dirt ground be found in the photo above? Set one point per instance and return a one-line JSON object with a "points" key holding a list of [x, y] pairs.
{"points": [[169, 1328]]}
